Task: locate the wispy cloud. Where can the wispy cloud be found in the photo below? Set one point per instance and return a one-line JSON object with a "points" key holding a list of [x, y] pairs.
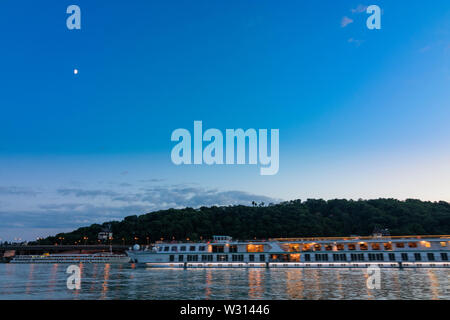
{"points": [[87, 193], [359, 9], [346, 21], [18, 191], [356, 42]]}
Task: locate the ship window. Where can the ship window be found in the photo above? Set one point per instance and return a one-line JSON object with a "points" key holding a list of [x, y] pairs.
{"points": [[307, 257], [321, 257], [412, 244], [307, 247], [340, 246], [207, 257], [180, 258], [294, 247], [251, 257], [404, 256], [387, 246], [357, 256], [444, 256], [237, 257], [391, 256], [171, 258], [294, 257], [426, 244], [233, 248], [363, 246], [262, 257], [328, 247], [160, 248], [317, 247], [417, 256], [375, 246], [255, 248], [201, 248], [217, 248], [222, 257], [166, 248], [192, 248], [376, 257], [191, 257], [400, 245], [443, 244], [174, 248], [183, 248], [430, 256], [351, 246]]}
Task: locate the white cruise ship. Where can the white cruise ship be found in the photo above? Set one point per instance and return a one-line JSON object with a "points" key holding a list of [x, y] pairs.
{"points": [[342, 252], [72, 258]]}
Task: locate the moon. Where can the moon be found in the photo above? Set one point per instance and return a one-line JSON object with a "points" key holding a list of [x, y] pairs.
{"points": [[75, 71]]}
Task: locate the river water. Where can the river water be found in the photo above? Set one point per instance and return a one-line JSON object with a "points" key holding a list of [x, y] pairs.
{"points": [[98, 281]]}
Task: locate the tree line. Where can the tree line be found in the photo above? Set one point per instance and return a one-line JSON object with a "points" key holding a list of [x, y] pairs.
{"points": [[296, 218]]}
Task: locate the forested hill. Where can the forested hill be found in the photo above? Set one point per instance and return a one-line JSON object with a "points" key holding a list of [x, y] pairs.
{"points": [[287, 219]]}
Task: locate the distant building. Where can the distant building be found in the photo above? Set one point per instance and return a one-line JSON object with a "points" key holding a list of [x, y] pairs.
{"points": [[104, 235]]}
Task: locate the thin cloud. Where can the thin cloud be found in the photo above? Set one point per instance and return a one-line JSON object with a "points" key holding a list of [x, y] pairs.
{"points": [[359, 9], [17, 191], [355, 41], [86, 193]]}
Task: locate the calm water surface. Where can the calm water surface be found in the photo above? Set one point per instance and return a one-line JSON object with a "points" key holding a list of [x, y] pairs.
{"points": [[41, 281]]}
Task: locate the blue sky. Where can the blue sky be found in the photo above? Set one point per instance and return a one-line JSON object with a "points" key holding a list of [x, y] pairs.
{"points": [[362, 113]]}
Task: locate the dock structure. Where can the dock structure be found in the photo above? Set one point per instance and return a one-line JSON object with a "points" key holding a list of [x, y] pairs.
{"points": [[41, 249]]}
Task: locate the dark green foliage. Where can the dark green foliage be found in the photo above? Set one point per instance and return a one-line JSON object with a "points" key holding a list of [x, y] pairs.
{"points": [[287, 219]]}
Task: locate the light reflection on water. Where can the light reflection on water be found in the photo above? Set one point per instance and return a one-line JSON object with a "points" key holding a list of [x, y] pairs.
{"points": [[42, 281]]}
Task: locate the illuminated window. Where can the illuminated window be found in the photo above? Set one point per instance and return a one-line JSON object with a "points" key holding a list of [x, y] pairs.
{"points": [[317, 247], [351, 246], [443, 244], [255, 248], [412, 244], [328, 247], [387, 246], [375, 246], [400, 245], [426, 244], [294, 247], [294, 257], [340, 246], [363, 246]]}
